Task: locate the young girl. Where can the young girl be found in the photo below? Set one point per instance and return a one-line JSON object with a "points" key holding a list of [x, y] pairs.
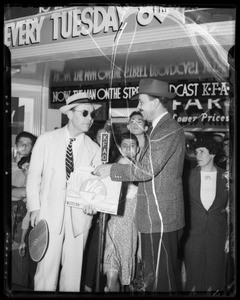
{"points": [[121, 233]]}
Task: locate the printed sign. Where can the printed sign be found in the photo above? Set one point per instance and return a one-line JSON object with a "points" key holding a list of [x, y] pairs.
{"points": [[105, 140], [201, 104]]}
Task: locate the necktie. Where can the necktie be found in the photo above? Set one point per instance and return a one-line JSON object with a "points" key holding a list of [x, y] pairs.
{"points": [[69, 158]]}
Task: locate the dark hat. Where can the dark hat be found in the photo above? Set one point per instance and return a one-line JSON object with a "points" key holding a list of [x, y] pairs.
{"points": [[75, 100], [154, 87], [207, 142]]}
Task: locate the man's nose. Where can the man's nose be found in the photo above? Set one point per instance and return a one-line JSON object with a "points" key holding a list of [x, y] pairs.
{"points": [[89, 118]]}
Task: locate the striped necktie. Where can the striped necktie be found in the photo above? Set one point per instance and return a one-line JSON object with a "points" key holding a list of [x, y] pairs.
{"points": [[69, 158]]}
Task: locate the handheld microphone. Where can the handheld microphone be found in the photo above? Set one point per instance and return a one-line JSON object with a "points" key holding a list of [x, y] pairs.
{"points": [[107, 126]]}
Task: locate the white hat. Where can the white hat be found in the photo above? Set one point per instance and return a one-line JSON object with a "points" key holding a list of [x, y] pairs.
{"points": [[77, 99]]}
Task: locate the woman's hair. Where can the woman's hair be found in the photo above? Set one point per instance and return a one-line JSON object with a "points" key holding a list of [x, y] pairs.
{"points": [[207, 142], [26, 134]]}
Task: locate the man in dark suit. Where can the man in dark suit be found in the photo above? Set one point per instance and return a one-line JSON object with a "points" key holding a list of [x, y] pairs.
{"points": [[160, 208]]}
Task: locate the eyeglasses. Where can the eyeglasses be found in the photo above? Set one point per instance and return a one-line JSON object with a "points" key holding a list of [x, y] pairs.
{"points": [[85, 113], [21, 144]]}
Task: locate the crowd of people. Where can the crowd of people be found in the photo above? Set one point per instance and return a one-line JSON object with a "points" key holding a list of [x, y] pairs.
{"points": [[168, 218]]}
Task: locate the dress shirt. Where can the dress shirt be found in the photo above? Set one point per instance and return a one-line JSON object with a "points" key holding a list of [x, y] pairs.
{"points": [[208, 188], [155, 121]]}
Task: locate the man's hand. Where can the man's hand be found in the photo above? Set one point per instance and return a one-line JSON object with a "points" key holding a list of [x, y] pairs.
{"points": [[89, 210], [22, 249], [102, 171], [34, 216]]}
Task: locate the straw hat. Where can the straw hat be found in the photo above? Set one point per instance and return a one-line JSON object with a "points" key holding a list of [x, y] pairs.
{"points": [[75, 100]]}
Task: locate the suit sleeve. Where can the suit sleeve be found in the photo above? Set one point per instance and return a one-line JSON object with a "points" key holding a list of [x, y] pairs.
{"points": [[159, 152], [35, 175]]}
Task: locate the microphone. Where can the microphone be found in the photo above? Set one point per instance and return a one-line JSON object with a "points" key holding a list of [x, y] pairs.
{"points": [[107, 126]]}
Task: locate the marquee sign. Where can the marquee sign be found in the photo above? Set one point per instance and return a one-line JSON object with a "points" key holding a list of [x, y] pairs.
{"points": [[76, 22]]}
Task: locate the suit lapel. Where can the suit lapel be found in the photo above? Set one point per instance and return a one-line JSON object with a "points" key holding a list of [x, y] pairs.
{"points": [[150, 136], [144, 149], [160, 123]]}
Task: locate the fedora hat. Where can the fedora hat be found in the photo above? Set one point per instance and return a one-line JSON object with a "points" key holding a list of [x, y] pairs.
{"points": [[75, 100], [154, 87]]}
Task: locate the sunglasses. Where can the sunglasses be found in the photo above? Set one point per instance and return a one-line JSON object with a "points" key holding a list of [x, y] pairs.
{"points": [[85, 113]]}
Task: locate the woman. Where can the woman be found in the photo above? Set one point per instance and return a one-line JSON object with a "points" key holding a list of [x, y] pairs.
{"points": [[206, 221]]}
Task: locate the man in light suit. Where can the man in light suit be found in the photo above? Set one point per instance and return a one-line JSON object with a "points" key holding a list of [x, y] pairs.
{"points": [[46, 196], [160, 208]]}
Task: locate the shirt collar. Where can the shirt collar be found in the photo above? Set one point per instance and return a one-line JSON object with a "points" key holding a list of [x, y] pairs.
{"points": [[155, 121], [68, 136]]}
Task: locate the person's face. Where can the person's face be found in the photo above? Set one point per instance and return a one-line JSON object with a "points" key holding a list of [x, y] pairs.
{"points": [[24, 146], [80, 118], [204, 158], [129, 148], [137, 125], [147, 107]]}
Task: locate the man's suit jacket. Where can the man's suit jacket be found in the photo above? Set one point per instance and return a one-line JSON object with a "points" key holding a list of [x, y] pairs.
{"points": [[159, 173], [46, 181], [198, 219]]}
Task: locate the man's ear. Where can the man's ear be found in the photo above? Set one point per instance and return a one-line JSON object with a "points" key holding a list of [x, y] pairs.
{"points": [[70, 114], [157, 102], [138, 149], [128, 127], [146, 128]]}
